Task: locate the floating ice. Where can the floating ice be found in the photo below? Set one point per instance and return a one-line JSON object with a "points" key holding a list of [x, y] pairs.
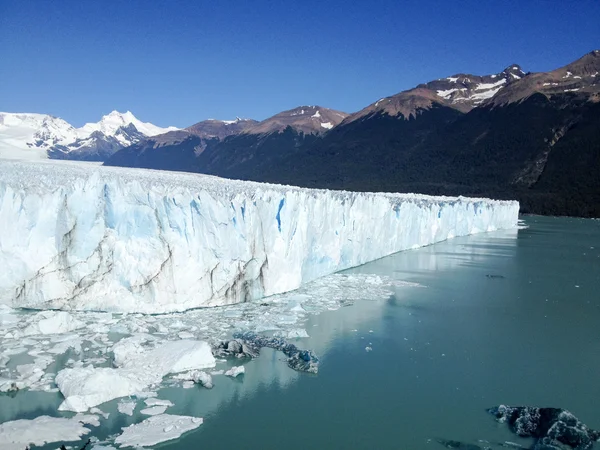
{"points": [[248, 344], [235, 371], [19, 434], [86, 387], [52, 322], [153, 401], [126, 407], [297, 333], [80, 237], [196, 376], [157, 429], [138, 368], [154, 410]]}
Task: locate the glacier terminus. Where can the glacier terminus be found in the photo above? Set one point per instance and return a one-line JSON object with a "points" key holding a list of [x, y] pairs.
{"points": [[81, 237]]}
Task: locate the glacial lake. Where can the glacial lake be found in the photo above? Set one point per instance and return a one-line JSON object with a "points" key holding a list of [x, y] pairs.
{"points": [[509, 317]]}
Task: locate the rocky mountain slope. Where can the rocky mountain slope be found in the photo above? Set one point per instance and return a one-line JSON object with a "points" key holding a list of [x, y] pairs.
{"points": [[530, 136], [536, 139], [233, 148]]}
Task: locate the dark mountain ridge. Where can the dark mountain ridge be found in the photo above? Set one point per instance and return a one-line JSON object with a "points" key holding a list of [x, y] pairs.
{"points": [[534, 137]]}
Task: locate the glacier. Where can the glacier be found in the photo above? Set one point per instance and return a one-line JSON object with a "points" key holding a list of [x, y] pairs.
{"points": [[82, 237]]}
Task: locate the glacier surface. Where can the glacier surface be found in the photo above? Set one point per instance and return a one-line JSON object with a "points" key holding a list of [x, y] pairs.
{"points": [[80, 237]]}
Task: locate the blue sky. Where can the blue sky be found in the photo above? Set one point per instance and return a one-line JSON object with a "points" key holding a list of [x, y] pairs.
{"points": [[179, 62]]}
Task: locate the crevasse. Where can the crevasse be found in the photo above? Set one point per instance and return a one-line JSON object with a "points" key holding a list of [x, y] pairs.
{"points": [[77, 236]]}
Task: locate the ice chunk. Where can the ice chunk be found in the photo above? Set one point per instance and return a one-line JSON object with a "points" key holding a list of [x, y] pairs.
{"points": [[248, 344], [86, 387], [52, 322], [170, 357], [153, 401], [157, 429], [196, 376], [126, 407], [19, 434], [154, 410], [235, 371], [139, 367], [297, 333], [100, 412], [127, 240]]}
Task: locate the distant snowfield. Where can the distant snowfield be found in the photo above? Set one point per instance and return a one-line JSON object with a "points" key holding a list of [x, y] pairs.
{"points": [[81, 237], [28, 136]]}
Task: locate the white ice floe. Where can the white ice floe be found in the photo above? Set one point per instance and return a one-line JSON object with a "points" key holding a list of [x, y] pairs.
{"points": [[297, 333], [235, 371], [154, 410], [157, 429], [196, 376], [138, 368], [86, 387], [126, 407], [153, 401], [19, 434], [52, 322], [99, 412], [80, 237]]}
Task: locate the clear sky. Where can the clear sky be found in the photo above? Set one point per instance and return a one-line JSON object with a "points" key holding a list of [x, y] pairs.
{"points": [[181, 61]]}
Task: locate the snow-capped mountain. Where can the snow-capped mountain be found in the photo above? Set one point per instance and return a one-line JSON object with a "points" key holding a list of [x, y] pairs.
{"points": [[40, 136], [469, 91], [461, 92], [111, 123]]}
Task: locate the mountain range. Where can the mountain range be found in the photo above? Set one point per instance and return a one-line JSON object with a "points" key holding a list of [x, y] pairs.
{"points": [[35, 136], [530, 136]]}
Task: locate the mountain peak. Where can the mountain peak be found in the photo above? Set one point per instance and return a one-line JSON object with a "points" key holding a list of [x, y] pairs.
{"points": [[305, 119], [514, 68], [213, 128], [127, 116], [111, 122], [579, 78], [462, 92]]}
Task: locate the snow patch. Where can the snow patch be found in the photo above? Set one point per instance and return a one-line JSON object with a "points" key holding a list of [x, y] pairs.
{"points": [[486, 86]]}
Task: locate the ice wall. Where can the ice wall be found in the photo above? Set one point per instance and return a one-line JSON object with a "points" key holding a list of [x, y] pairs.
{"points": [[76, 236]]}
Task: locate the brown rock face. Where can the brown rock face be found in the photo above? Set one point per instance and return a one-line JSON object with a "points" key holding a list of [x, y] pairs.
{"points": [[581, 77], [307, 119]]}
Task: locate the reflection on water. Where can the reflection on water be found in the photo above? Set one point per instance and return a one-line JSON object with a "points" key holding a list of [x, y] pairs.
{"points": [[444, 353], [507, 317]]}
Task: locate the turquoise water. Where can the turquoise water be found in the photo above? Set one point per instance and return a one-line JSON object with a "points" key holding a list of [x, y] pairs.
{"points": [[502, 318]]}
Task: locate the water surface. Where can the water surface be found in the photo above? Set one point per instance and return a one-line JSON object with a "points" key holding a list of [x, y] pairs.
{"points": [[509, 317]]}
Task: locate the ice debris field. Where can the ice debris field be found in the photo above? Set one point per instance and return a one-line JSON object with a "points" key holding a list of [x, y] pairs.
{"points": [[87, 252]]}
